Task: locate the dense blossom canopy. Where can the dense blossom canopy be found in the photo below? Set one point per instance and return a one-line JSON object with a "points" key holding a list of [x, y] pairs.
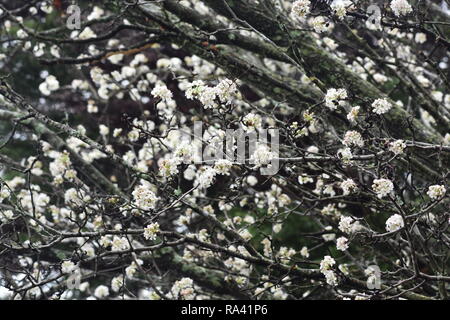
{"points": [[224, 149]]}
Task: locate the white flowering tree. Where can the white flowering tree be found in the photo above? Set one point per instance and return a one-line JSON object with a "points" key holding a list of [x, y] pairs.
{"points": [[105, 195]]}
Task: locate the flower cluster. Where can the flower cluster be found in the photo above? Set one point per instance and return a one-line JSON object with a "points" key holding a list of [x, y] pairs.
{"points": [[348, 186], [49, 85], [335, 97], [251, 122], [382, 187], [205, 152], [436, 192], [394, 223], [348, 225], [262, 155], [212, 97], [320, 24], [340, 7], [161, 91], [301, 8], [151, 231], [353, 138], [381, 106], [183, 289], [400, 7], [397, 146], [342, 243], [144, 198], [326, 266]]}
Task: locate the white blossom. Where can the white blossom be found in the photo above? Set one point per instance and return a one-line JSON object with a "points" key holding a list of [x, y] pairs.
{"points": [[252, 122], [420, 37], [335, 97], [119, 243], [151, 230], [340, 7], [223, 166], [331, 278], [394, 223], [319, 24], [6, 215], [348, 186], [169, 167], [304, 252], [183, 288], [304, 179], [117, 283], [301, 8], [76, 197], [4, 194], [161, 91], [327, 263], [345, 154], [208, 97], [194, 89], [144, 198], [104, 130], [252, 180], [46, 7], [101, 291], [67, 266], [206, 177], [353, 114], [226, 90], [346, 224], [381, 106], [21, 34], [342, 243], [436, 192], [87, 33], [397, 146], [400, 7], [353, 138], [49, 85], [96, 13], [382, 187]]}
